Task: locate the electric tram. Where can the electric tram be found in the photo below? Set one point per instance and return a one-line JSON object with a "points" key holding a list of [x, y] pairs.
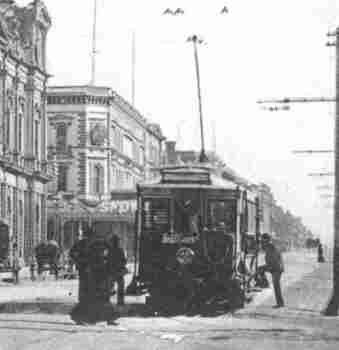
{"points": [[196, 239]]}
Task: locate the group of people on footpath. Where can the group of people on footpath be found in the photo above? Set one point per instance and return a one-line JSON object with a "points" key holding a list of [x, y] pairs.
{"points": [[101, 264]]}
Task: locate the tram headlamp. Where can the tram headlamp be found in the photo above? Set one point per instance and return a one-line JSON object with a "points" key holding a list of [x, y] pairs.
{"points": [[185, 256]]}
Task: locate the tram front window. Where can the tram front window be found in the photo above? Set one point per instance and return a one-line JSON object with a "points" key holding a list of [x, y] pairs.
{"points": [[156, 215], [186, 217], [222, 213]]}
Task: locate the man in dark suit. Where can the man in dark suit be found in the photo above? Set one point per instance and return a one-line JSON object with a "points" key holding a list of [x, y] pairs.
{"points": [[275, 265], [118, 268]]}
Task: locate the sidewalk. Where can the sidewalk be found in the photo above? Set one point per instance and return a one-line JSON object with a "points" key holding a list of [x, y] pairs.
{"points": [[305, 299], [306, 286], [48, 296]]}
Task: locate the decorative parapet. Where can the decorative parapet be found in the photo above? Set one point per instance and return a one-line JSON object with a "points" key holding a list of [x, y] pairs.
{"points": [[23, 30], [97, 95], [28, 166]]}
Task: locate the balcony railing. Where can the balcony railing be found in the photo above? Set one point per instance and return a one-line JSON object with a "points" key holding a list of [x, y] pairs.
{"points": [[17, 163]]}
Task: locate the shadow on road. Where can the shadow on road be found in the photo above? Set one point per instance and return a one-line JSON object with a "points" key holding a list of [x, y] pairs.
{"points": [[128, 310]]}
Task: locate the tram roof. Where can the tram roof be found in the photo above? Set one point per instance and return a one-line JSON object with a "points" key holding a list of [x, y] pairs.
{"points": [[191, 176]]}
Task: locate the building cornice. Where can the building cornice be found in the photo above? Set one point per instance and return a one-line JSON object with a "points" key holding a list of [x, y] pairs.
{"points": [[99, 95], [132, 111]]}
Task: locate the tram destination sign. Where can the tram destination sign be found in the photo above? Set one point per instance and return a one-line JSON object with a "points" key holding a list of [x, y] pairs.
{"points": [[178, 238], [186, 177]]}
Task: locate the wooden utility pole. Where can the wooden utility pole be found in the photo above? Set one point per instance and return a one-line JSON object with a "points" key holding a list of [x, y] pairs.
{"points": [[333, 304]]}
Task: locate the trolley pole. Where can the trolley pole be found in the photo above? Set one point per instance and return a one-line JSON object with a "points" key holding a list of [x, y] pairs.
{"points": [[195, 40], [333, 305]]}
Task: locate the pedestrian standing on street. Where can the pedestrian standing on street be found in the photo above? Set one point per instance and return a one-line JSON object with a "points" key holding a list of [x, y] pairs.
{"points": [[321, 258], [273, 264], [17, 263], [79, 254], [32, 265], [118, 260]]}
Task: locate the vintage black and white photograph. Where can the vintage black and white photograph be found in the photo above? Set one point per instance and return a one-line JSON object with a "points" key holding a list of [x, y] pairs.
{"points": [[169, 174]]}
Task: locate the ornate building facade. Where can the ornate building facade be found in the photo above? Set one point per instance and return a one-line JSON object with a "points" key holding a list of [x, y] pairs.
{"points": [[24, 170], [103, 146]]}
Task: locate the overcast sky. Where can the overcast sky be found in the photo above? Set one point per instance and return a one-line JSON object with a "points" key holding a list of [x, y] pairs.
{"points": [[261, 49]]}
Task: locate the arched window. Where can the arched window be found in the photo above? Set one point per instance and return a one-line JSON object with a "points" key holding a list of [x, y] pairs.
{"points": [[98, 179]]}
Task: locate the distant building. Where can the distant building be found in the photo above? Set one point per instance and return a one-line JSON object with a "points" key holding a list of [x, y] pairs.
{"points": [[24, 170], [103, 146]]}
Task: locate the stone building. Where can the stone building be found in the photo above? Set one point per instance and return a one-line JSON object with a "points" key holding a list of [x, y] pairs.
{"points": [[103, 147], [24, 170]]}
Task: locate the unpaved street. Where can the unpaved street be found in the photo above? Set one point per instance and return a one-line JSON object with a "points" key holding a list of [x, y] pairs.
{"points": [[258, 326]]}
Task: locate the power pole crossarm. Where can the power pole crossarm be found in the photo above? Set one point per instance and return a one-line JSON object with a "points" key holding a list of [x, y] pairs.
{"points": [[321, 174], [298, 100], [324, 187], [327, 196], [312, 151]]}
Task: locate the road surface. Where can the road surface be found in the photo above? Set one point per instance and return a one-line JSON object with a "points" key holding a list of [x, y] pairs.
{"points": [[258, 326]]}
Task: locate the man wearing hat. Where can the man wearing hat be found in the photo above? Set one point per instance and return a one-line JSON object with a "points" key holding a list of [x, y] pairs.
{"points": [[273, 264]]}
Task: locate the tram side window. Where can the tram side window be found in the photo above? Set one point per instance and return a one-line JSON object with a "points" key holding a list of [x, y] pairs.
{"points": [[222, 213], [156, 214]]}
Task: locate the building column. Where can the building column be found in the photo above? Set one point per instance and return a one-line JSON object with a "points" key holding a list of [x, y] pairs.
{"points": [[29, 140], [31, 217], [3, 77], [44, 124], [43, 209]]}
